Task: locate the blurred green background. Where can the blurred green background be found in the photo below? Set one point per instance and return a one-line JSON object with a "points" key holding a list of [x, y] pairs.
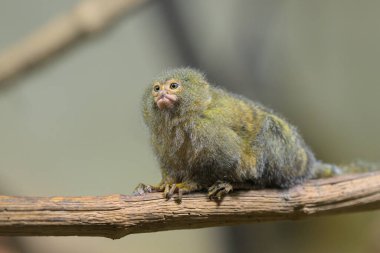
{"points": [[73, 126]]}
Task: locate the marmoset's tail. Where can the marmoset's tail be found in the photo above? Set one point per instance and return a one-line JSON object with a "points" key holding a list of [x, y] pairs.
{"points": [[323, 170]]}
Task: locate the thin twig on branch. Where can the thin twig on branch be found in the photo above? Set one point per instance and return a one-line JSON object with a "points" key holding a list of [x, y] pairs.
{"points": [[115, 216], [88, 17]]}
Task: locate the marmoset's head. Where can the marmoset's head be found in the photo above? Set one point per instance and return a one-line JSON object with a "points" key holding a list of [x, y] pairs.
{"points": [[181, 89]]}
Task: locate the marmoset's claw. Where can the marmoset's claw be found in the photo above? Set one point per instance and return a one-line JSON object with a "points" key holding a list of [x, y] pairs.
{"points": [[166, 191]]}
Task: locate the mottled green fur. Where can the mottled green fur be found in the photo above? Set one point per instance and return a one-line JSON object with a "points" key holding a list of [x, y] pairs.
{"points": [[214, 137]]}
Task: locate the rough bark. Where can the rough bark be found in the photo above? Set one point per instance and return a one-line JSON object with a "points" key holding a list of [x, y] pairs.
{"points": [[115, 216]]}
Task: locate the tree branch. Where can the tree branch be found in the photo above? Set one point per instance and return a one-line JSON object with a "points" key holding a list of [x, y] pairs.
{"points": [[115, 216], [88, 17]]}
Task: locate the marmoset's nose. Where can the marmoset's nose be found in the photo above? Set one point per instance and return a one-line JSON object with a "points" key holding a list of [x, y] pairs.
{"points": [[163, 92]]}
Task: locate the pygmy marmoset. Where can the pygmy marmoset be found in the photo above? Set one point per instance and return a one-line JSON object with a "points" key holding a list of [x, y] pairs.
{"points": [[206, 138]]}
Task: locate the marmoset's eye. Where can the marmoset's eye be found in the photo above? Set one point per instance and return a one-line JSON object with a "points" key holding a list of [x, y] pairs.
{"points": [[174, 86], [156, 88]]}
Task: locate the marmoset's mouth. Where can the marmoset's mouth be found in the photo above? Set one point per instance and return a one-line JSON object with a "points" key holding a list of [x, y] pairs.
{"points": [[166, 101]]}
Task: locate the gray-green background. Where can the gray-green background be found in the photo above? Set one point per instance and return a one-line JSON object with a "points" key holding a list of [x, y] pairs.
{"points": [[73, 126]]}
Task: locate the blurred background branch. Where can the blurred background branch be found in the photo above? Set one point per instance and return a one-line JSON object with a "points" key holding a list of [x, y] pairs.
{"points": [[115, 216], [87, 18]]}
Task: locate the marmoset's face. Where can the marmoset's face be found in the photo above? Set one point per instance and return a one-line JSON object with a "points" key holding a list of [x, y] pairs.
{"points": [[165, 94]]}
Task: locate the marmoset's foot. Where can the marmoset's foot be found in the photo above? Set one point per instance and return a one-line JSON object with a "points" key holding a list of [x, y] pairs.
{"points": [[219, 190], [180, 189], [145, 188]]}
